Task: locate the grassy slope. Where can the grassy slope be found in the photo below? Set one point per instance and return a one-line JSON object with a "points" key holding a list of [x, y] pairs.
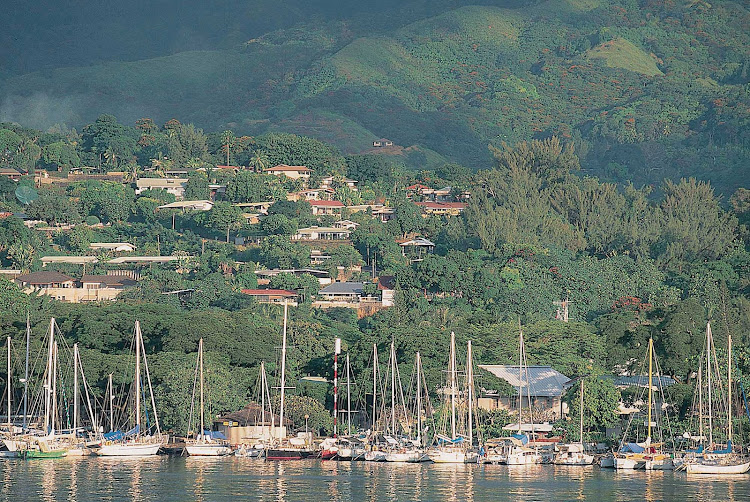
{"points": [[620, 53]]}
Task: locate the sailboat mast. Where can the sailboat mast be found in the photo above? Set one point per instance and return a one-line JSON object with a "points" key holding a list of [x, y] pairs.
{"points": [[709, 352], [262, 381], [137, 377], [9, 382], [729, 388], [111, 404], [650, 385], [470, 385], [336, 352], [200, 362], [700, 401], [283, 367], [26, 374], [453, 384], [374, 385], [348, 398], [75, 389], [48, 383], [581, 413], [393, 388], [54, 387], [419, 400], [520, 375]]}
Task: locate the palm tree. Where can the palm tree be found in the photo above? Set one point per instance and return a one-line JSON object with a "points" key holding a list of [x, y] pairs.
{"points": [[131, 172], [259, 162], [21, 255], [111, 157], [227, 142]]}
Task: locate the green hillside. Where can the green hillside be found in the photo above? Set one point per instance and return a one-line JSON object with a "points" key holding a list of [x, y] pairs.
{"points": [[645, 91], [619, 53]]}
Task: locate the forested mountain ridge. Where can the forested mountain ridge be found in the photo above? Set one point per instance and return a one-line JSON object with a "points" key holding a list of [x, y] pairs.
{"points": [[645, 90]]}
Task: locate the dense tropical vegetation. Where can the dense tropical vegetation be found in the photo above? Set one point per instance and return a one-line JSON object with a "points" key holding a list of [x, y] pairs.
{"points": [[635, 262]]}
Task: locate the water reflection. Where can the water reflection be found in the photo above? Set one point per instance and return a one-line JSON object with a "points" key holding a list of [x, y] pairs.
{"points": [[232, 479]]}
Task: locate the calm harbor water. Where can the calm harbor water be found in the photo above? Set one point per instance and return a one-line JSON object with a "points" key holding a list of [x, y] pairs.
{"points": [[231, 479]]}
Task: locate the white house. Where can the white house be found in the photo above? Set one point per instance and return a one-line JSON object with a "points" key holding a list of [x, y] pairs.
{"points": [[175, 186]]}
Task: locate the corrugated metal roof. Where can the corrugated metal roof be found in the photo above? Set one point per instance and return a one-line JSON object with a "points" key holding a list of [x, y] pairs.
{"points": [[343, 288], [543, 381]]}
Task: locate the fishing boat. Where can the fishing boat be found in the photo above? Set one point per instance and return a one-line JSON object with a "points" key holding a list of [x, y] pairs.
{"points": [[457, 448], [574, 453], [649, 454], [208, 443], [716, 453], [138, 441]]}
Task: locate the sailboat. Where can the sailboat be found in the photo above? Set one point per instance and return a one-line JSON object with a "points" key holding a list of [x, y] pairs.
{"points": [[457, 448], [376, 452], [574, 453], [349, 447], [49, 444], [138, 441], [295, 448], [207, 444], [405, 448], [712, 458], [514, 449], [11, 442], [648, 455]]}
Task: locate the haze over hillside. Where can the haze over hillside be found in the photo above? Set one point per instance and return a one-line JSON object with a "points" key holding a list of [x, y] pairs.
{"points": [[645, 90]]}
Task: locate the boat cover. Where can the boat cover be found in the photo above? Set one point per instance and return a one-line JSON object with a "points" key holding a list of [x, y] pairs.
{"points": [[522, 437], [632, 448], [726, 450], [214, 434]]}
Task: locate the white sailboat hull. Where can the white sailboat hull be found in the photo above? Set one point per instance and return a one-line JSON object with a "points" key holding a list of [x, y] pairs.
{"points": [[629, 463], [376, 456], [664, 464], [208, 450], [407, 456], [129, 450], [717, 468], [453, 457], [352, 453], [524, 458], [575, 459]]}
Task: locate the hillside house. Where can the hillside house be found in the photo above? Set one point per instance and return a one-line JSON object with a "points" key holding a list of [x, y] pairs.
{"points": [[273, 296], [67, 289], [387, 288], [294, 172], [442, 208], [342, 292], [10, 173], [321, 233], [347, 224], [327, 207], [330, 182], [117, 247], [70, 260], [175, 186], [323, 277], [189, 205], [416, 249], [382, 142], [311, 194]]}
